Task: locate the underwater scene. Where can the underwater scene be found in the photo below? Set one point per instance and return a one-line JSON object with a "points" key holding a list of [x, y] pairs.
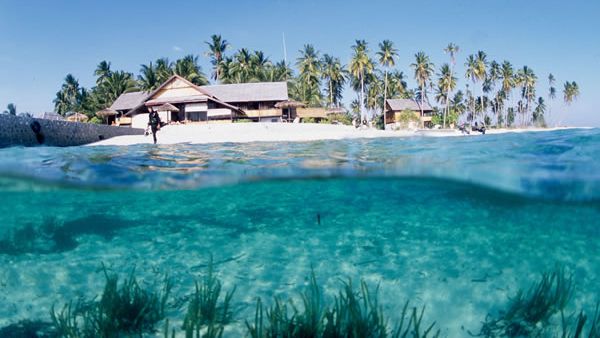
{"points": [[494, 236]]}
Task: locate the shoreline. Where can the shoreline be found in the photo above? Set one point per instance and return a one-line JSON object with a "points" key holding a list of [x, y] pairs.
{"points": [[286, 132]]}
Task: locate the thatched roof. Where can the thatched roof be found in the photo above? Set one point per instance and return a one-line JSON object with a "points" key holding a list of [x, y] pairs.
{"points": [[106, 112], [129, 101], [167, 107], [406, 104], [289, 104], [77, 117], [249, 92]]}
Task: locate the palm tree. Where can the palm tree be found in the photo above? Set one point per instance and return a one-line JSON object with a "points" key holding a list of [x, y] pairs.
{"points": [[507, 76], [551, 92], [490, 84], [334, 73], [387, 55], [240, 67], [526, 79], [216, 49], [360, 66], [481, 75], [278, 72], [451, 49], [423, 70], [446, 84], [471, 73], [70, 97], [148, 79], [309, 74], [11, 109], [164, 69], [116, 84], [570, 92], [188, 68], [538, 113], [397, 85], [102, 71], [260, 66]]}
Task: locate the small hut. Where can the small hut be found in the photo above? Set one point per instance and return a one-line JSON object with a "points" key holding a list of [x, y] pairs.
{"points": [[77, 117], [288, 108], [165, 111], [107, 115]]}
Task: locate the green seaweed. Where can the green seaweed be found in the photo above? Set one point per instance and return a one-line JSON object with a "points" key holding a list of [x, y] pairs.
{"points": [[577, 329], [356, 314], [352, 314], [206, 309], [122, 309], [528, 314]]}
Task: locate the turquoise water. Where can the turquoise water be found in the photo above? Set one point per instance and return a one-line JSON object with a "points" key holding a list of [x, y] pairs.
{"points": [[456, 224]]}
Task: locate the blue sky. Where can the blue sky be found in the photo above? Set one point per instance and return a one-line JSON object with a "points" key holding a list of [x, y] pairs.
{"points": [[42, 41]]}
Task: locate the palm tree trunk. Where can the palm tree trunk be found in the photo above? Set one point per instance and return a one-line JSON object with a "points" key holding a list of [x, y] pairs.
{"points": [[384, 97], [422, 97], [362, 99], [447, 110], [330, 93]]}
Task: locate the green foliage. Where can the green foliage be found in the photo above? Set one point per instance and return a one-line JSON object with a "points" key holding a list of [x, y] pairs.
{"points": [[345, 119], [406, 117], [96, 120], [206, 309], [124, 309], [243, 121], [528, 313], [379, 122], [11, 109]]}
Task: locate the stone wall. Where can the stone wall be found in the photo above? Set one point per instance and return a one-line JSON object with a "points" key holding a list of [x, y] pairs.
{"points": [[24, 131]]}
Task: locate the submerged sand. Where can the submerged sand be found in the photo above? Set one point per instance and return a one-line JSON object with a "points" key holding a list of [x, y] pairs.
{"points": [[278, 132]]}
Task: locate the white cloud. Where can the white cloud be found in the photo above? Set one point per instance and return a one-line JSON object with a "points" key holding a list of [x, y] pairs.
{"points": [[177, 49]]}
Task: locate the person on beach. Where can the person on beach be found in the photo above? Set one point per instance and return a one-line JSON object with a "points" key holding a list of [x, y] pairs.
{"points": [[154, 122]]}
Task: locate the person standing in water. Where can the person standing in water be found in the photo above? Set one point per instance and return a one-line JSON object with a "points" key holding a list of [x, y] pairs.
{"points": [[153, 122]]}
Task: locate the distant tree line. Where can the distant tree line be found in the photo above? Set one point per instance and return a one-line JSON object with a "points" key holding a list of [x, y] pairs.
{"points": [[11, 109], [496, 93]]}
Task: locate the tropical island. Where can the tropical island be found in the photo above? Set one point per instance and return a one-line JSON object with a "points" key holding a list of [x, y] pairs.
{"points": [[247, 86], [496, 93]]}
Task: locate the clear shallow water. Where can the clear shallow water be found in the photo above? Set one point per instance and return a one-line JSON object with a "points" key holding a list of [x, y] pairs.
{"points": [[458, 224]]}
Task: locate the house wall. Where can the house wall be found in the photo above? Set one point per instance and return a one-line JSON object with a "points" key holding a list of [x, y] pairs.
{"points": [[140, 121], [264, 113]]}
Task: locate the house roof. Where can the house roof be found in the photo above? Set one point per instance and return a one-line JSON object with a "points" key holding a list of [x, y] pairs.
{"points": [[177, 99], [249, 92], [201, 92], [129, 101], [406, 104], [52, 116]]}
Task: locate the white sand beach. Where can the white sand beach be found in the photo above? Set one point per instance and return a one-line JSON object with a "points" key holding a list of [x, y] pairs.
{"points": [[274, 132]]}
